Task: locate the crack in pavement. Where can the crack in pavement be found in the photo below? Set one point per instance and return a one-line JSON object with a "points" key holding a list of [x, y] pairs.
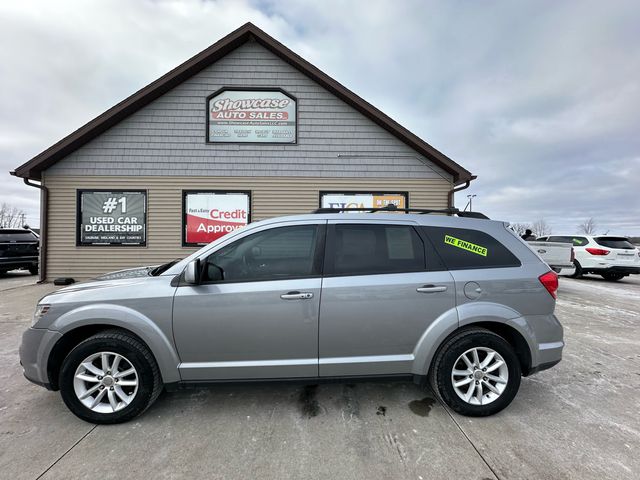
{"points": [[65, 453], [446, 409]]}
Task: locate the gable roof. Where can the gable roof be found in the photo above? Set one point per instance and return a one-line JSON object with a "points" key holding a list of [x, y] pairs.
{"points": [[34, 167]]}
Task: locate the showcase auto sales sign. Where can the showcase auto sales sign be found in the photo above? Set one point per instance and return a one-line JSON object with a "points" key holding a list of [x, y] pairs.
{"points": [[242, 116], [210, 216]]}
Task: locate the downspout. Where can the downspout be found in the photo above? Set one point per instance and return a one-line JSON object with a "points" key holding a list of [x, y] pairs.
{"points": [[44, 213], [454, 190]]}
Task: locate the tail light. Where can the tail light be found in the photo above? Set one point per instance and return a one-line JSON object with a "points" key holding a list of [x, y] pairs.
{"points": [[573, 254], [597, 251], [550, 281]]}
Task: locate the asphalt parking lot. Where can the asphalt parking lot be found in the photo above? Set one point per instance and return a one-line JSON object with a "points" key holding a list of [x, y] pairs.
{"points": [[579, 420]]}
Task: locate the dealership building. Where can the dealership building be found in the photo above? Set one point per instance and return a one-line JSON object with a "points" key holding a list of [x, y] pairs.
{"points": [[243, 131]]}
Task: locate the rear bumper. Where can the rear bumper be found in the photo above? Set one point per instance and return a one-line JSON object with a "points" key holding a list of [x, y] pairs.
{"points": [[545, 337], [9, 263], [543, 366], [630, 270]]}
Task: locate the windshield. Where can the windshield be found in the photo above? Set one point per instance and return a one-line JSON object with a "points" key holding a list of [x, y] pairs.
{"points": [[163, 268], [614, 242]]}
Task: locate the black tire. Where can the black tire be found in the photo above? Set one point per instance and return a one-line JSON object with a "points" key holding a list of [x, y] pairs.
{"points": [[446, 357], [33, 270], [578, 273], [613, 277], [135, 352]]}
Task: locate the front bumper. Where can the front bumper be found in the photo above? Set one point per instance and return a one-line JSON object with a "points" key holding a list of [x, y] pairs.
{"points": [[34, 351]]}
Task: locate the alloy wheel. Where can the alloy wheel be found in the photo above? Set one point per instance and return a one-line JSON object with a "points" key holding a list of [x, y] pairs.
{"points": [[105, 382], [479, 376]]}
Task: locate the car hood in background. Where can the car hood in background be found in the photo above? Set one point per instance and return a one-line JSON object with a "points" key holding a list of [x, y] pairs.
{"points": [[127, 273]]}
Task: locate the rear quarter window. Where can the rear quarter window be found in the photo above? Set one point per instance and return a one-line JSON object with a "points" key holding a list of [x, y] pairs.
{"points": [[17, 236], [614, 242], [462, 248]]}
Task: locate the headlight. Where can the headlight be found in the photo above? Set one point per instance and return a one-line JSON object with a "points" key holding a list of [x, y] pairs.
{"points": [[40, 312]]}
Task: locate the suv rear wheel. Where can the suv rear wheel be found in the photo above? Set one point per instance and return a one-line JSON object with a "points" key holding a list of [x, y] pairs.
{"points": [[476, 373], [613, 276], [110, 377]]}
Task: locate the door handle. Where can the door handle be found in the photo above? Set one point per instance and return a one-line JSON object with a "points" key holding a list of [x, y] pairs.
{"points": [[431, 289], [296, 295]]}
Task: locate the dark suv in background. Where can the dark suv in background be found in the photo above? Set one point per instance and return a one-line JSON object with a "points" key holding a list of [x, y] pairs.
{"points": [[18, 250]]}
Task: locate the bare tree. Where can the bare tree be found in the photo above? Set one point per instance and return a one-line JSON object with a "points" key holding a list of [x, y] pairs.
{"points": [[541, 228], [588, 227], [520, 228], [11, 216]]}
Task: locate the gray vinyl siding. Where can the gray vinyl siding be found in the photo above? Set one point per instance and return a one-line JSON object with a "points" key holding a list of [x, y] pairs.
{"points": [[167, 137], [270, 196]]}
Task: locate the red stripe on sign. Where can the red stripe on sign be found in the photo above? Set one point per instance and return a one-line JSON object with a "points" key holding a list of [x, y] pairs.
{"points": [[202, 230]]}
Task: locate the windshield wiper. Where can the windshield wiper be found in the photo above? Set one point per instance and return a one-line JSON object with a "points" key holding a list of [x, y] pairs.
{"points": [[163, 268]]}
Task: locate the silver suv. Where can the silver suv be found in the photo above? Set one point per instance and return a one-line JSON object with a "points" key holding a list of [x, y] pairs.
{"points": [[462, 303]]}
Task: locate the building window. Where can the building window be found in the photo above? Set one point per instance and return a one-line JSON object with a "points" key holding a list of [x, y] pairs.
{"points": [[211, 214], [111, 218], [363, 199]]}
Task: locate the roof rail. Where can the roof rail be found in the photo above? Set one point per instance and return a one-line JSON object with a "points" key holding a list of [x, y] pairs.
{"points": [[392, 208]]}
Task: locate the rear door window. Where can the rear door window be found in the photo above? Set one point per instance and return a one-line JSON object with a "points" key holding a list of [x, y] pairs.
{"points": [[462, 248], [367, 249], [615, 242], [575, 241]]}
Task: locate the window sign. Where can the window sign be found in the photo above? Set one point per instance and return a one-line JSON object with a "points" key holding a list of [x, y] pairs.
{"points": [[362, 200], [209, 215], [251, 116], [112, 217]]}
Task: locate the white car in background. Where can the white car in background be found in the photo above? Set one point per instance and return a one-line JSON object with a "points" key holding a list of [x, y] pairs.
{"points": [[609, 256]]}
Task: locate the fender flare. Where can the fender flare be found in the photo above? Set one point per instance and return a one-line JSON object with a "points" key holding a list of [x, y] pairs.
{"points": [[464, 315], [126, 318], [431, 339]]}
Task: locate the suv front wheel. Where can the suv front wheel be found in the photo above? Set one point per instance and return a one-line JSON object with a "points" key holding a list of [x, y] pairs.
{"points": [[476, 373], [110, 377]]}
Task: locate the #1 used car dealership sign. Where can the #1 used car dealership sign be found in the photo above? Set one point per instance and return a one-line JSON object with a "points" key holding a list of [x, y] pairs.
{"points": [[251, 116], [111, 217]]}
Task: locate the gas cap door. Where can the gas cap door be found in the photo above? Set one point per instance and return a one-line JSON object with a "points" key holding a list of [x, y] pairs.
{"points": [[472, 290]]}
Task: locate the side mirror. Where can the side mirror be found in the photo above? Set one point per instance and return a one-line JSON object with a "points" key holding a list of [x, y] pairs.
{"points": [[192, 272]]}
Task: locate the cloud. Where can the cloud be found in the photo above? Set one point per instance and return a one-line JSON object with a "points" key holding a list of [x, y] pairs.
{"points": [[539, 99]]}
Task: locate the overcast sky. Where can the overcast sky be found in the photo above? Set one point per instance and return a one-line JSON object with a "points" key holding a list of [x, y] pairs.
{"points": [[540, 99]]}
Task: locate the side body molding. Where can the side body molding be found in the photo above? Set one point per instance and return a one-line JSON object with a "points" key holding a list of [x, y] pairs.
{"points": [[127, 318]]}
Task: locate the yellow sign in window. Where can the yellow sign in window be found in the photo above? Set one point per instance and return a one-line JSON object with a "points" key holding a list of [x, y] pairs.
{"points": [[468, 246]]}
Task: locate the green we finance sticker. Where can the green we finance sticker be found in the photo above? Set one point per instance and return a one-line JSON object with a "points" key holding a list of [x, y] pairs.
{"points": [[468, 246]]}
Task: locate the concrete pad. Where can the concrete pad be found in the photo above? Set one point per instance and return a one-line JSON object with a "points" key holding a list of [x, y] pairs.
{"points": [[579, 419], [16, 278], [360, 431], [36, 428]]}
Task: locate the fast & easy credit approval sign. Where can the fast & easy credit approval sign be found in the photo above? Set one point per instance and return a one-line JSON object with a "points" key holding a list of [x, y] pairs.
{"points": [[211, 215]]}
